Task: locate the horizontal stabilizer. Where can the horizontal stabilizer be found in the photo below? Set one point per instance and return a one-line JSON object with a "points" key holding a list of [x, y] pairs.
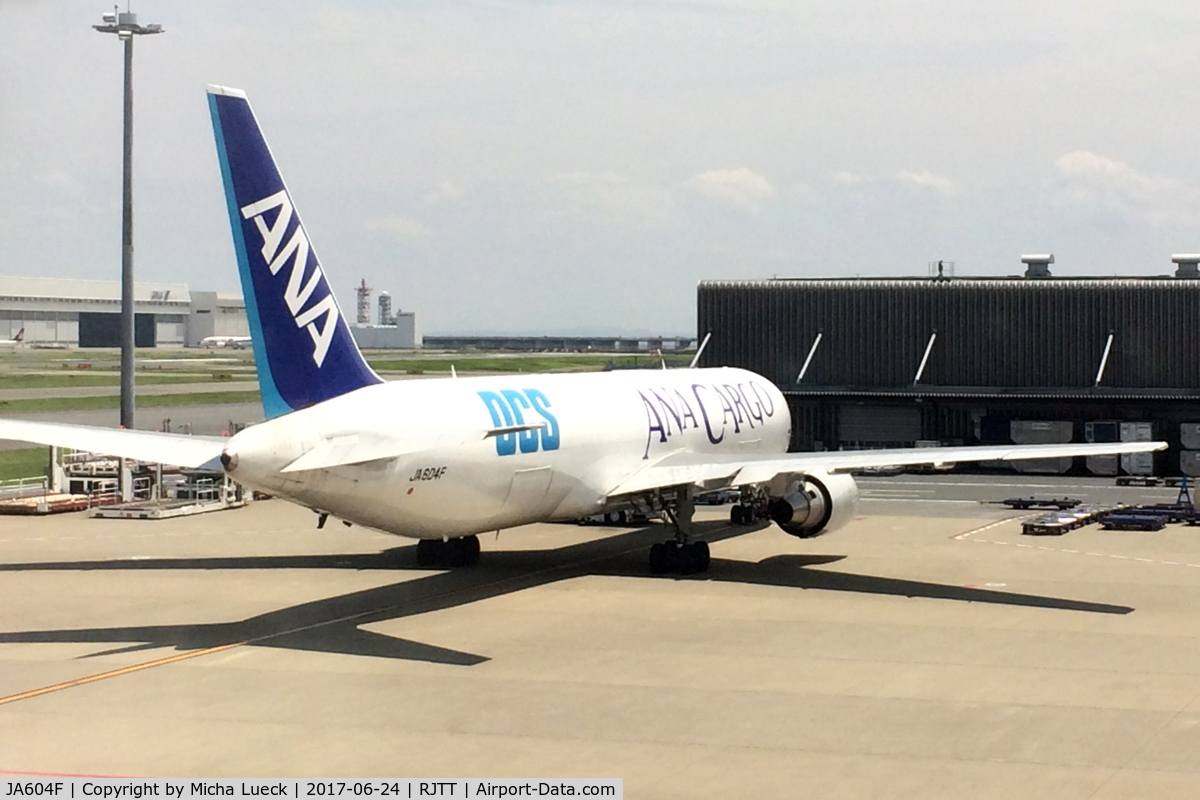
{"points": [[358, 448], [161, 448], [710, 469]]}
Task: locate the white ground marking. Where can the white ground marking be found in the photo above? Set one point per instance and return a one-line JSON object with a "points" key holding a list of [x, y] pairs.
{"points": [[989, 526], [969, 536], [869, 482], [893, 498]]}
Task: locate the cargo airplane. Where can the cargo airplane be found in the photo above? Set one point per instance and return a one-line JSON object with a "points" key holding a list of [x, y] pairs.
{"points": [[441, 461]]}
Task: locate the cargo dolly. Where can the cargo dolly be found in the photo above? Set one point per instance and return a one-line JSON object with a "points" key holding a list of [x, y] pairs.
{"points": [[1060, 523], [1051, 525], [1134, 520], [1022, 503], [1172, 513], [1156, 517], [1149, 480]]}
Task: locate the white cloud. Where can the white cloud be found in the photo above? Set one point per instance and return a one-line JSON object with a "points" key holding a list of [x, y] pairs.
{"points": [[1092, 168], [742, 187], [926, 180], [848, 178], [445, 192], [617, 198], [1099, 182], [398, 226]]}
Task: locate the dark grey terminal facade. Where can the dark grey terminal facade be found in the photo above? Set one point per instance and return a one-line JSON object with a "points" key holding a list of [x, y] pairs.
{"points": [[995, 351]]}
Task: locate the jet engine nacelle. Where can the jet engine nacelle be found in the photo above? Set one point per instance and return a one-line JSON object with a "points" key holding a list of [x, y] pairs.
{"points": [[812, 504]]}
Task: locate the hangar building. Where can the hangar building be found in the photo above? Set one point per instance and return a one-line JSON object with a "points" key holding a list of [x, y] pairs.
{"points": [[893, 362], [83, 313]]}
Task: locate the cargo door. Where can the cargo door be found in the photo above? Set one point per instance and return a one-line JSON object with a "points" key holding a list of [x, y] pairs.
{"points": [[526, 496]]}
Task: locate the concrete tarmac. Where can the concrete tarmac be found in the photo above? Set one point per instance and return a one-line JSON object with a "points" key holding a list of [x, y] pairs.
{"points": [[911, 654]]}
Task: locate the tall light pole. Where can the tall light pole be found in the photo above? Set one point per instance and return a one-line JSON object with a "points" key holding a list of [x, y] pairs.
{"points": [[125, 26]]}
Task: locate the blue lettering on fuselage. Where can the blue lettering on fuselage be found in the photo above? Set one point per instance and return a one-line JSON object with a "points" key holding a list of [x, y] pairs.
{"points": [[509, 407], [717, 409]]}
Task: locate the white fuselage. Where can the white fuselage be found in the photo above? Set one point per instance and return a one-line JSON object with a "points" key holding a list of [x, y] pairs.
{"points": [[597, 430]]}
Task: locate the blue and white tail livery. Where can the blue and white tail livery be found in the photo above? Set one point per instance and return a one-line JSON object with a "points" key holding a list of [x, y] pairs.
{"points": [[302, 345]]}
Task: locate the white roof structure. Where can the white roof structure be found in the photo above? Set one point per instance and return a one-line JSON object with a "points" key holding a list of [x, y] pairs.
{"points": [[173, 296]]}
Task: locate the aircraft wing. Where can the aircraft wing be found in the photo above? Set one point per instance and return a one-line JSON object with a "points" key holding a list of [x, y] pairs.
{"points": [[164, 448], [716, 471]]}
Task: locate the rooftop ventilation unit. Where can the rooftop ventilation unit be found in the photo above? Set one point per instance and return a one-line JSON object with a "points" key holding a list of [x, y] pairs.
{"points": [[1037, 265], [1187, 265]]}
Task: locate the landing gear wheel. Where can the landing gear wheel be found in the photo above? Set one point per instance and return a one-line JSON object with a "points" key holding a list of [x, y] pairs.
{"points": [[685, 559], [741, 515], [462, 551], [680, 554], [428, 552], [471, 545], [693, 558], [455, 553], [663, 557], [688, 560], [459, 552]]}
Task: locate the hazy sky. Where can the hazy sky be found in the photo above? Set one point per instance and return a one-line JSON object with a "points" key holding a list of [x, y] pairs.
{"points": [[579, 166]]}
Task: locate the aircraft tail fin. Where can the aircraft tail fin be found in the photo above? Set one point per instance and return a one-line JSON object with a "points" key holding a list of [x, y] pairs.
{"points": [[302, 344], [20, 337]]}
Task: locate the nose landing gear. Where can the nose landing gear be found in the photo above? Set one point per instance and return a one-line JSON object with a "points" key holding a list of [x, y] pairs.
{"points": [[460, 552]]}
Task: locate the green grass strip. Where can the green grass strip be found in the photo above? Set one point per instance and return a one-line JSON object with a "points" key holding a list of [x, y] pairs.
{"points": [[47, 381], [24, 463], [530, 364], [143, 401]]}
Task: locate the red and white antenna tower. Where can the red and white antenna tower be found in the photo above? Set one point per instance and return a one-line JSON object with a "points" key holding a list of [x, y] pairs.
{"points": [[364, 303]]}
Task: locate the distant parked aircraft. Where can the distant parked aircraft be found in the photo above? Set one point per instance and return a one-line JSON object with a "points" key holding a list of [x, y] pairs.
{"points": [[16, 340], [234, 342]]}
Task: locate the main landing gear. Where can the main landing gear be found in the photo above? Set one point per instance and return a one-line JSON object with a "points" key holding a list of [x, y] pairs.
{"points": [[460, 552], [743, 515], [685, 558], [679, 554], [750, 507]]}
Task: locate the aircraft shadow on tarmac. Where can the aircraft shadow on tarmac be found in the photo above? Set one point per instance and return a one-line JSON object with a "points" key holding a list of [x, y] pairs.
{"points": [[332, 624]]}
